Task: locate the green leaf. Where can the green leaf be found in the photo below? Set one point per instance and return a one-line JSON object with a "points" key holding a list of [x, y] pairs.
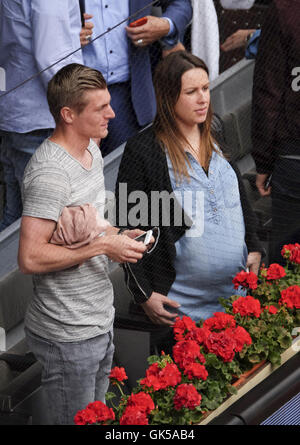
{"points": [[195, 416], [254, 358], [211, 404], [275, 358], [297, 318], [285, 341], [259, 347], [109, 396], [153, 359], [213, 361], [232, 389]]}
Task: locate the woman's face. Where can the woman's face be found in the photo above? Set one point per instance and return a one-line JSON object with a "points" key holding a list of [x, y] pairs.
{"points": [[192, 105]]}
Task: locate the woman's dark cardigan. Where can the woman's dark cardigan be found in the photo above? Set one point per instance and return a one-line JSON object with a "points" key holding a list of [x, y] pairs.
{"points": [[144, 167]]}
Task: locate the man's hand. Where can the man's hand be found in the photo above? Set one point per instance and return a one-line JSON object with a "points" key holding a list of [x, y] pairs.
{"points": [[87, 31], [154, 308], [133, 233], [253, 261], [122, 249], [236, 40], [261, 183], [153, 30]]}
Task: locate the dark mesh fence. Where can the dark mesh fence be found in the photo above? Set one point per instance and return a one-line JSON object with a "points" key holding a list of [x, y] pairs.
{"points": [[233, 117], [240, 202]]}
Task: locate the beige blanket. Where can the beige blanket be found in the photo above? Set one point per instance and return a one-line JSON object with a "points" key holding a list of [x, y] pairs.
{"points": [[78, 226]]}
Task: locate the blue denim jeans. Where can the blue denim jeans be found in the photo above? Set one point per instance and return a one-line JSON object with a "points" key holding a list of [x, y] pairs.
{"points": [[15, 151], [73, 374]]}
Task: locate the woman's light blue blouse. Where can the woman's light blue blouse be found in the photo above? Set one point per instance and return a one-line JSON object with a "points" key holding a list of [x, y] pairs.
{"points": [[211, 253]]}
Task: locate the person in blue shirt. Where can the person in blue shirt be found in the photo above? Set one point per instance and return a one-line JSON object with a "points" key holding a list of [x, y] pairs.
{"points": [[34, 34], [207, 227], [123, 56]]}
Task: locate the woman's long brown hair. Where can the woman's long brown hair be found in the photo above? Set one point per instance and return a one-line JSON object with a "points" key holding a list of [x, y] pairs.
{"points": [[167, 84]]}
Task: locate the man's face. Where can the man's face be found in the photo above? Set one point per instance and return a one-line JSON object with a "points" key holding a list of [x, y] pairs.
{"points": [[92, 122]]}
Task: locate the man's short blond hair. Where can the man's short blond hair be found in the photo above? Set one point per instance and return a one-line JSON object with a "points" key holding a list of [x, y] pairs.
{"points": [[68, 86]]}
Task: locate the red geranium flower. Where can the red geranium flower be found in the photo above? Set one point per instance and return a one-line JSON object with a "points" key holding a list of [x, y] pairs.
{"points": [[219, 321], [133, 416], [95, 412], [195, 370], [221, 344], [295, 254], [198, 335], [186, 352], [275, 272], [152, 380], [186, 396], [291, 297], [182, 326], [85, 417], [247, 306], [117, 375], [271, 309], [170, 375], [291, 252], [161, 378], [245, 279], [241, 337], [142, 401]]}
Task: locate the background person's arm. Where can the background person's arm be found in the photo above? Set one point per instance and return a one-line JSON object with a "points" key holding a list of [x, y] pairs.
{"points": [[56, 30], [177, 14]]}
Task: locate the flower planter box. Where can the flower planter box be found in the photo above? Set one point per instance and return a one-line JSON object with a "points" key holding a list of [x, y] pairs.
{"points": [[178, 389], [258, 373]]}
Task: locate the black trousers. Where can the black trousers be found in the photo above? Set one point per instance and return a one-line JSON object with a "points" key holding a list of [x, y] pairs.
{"points": [[285, 207]]}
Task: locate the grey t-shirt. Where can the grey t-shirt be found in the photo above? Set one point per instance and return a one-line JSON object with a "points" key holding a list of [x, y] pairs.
{"points": [[76, 303]]}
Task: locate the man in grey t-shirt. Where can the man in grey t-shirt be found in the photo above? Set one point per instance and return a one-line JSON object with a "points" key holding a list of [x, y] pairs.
{"points": [[69, 320]]}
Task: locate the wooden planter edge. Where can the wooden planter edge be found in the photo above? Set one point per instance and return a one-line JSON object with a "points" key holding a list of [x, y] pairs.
{"points": [[257, 377]]}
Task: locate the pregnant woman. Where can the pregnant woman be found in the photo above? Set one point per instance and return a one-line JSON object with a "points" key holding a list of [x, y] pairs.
{"points": [[207, 228]]}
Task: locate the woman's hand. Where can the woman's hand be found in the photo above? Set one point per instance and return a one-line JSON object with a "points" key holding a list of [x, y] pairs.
{"points": [[253, 261], [154, 308]]}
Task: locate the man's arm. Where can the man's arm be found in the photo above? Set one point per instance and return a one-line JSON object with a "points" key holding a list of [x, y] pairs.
{"points": [[176, 12], [56, 30], [268, 90], [38, 256], [179, 11]]}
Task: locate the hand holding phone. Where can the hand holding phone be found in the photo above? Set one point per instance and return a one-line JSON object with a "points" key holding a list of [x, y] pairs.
{"points": [[138, 22], [268, 182], [145, 237]]}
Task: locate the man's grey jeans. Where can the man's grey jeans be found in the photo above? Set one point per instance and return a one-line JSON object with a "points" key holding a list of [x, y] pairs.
{"points": [[74, 373]]}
